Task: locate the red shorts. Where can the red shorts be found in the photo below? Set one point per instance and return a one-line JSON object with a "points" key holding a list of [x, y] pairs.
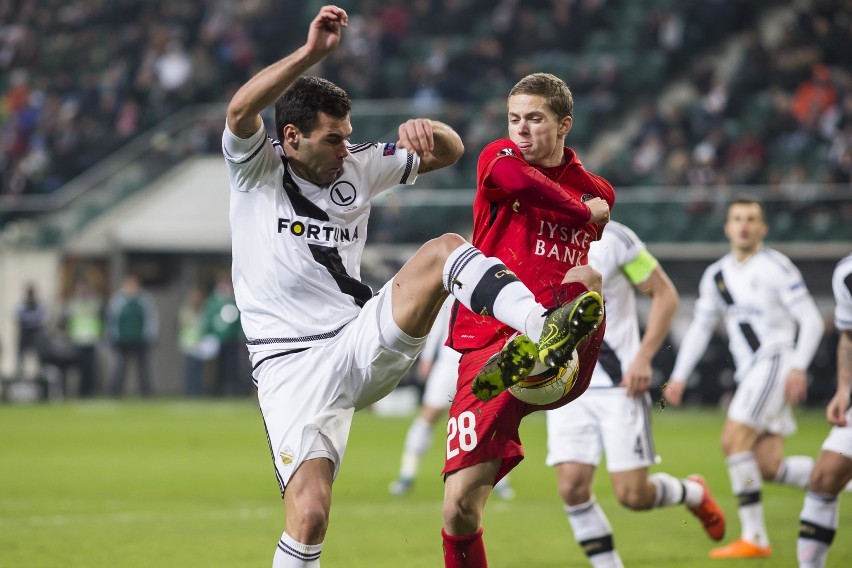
{"points": [[479, 432]]}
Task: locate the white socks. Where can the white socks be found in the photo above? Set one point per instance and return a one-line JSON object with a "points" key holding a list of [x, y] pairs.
{"points": [[292, 554], [417, 441], [795, 471], [594, 534], [817, 527], [746, 484], [485, 286], [674, 491]]}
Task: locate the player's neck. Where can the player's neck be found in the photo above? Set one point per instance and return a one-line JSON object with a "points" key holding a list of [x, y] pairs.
{"points": [[742, 255], [553, 161]]}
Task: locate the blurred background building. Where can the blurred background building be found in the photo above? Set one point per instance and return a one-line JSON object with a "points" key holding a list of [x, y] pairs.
{"points": [[111, 114]]}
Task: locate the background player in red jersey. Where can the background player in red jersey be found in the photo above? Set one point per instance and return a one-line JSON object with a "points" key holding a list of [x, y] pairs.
{"points": [[537, 209]]}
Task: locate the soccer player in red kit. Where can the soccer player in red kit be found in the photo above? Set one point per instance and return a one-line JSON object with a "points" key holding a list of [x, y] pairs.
{"points": [[537, 209]]}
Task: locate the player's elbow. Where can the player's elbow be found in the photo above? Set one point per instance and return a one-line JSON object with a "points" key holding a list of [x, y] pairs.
{"points": [[241, 120]]}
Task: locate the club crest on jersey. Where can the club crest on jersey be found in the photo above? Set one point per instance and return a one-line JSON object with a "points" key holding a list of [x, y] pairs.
{"points": [[343, 193], [586, 197], [324, 233], [390, 149], [287, 455], [506, 152]]}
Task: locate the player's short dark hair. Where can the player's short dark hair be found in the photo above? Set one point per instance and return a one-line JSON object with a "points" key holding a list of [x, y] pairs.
{"points": [[552, 88], [744, 199], [304, 99]]}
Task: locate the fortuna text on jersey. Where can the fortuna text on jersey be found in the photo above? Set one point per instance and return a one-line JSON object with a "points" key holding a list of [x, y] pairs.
{"points": [[319, 233]]}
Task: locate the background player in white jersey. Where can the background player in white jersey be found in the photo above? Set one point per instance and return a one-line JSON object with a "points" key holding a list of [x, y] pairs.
{"points": [[613, 415], [833, 469], [438, 367], [321, 345], [762, 297]]}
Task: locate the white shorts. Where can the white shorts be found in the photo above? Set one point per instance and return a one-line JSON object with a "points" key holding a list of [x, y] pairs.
{"points": [[308, 398], [441, 384], [759, 401], [602, 420], [839, 439]]}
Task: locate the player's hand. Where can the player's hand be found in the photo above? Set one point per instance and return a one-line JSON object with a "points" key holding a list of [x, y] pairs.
{"points": [[796, 387], [599, 209], [835, 412], [637, 379], [415, 135], [673, 391], [324, 31]]}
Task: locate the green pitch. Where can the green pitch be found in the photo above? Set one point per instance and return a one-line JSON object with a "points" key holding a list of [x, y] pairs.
{"points": [[131, 484]]}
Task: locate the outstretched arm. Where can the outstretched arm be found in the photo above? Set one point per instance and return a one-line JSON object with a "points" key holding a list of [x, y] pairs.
{"points": [[436, 143], [664, 300], [811, 328], [264, 88]]}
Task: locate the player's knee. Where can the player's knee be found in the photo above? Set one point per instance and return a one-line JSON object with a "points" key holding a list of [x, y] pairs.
{"points": [[574, 492], [730, 445], [586, 275], [826, 480], [461, 516], [635, 498], [310, 522], [445, 244], [434, 253]]}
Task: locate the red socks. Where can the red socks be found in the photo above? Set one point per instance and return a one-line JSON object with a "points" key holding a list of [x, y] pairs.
{"points": [[464, 551]]}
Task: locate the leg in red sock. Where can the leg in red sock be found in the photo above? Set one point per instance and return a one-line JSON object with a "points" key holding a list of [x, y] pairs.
{"points": [[464, 551]]}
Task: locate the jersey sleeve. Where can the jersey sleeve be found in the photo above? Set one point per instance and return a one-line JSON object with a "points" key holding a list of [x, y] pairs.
{"points": [[791, 285], [708, 311], [841, 285], [632, 256], [249, 160], [503, 173], [795, 297], [389, 166]]}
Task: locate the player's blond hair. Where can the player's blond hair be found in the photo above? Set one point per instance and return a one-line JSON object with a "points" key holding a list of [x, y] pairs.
{"points": [[551, 88]]}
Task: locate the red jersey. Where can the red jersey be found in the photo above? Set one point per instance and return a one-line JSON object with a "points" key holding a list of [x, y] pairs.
{"points": [[539, 231]]}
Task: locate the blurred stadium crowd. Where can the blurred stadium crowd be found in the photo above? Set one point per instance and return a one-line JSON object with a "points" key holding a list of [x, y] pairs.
{"points": [[703, 93], [80, 78]]}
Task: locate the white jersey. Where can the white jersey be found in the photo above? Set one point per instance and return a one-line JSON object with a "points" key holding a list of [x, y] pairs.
{"points": [[297, 246], [441, 383], [761, 300], [623, 261], [839, 440], [841, 284]]}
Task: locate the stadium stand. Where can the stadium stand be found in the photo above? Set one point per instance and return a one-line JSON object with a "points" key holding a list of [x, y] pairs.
{"points": [[110, 70]]}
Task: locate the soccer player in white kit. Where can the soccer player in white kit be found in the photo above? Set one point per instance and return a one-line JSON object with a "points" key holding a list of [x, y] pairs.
{"points": [[833, 470], [438, 366], [321, 344], [613, 415], [762, 298]]}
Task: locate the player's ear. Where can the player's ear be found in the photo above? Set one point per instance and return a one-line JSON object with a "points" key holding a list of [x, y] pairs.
{"points": [[291, 136], [564, 126]]}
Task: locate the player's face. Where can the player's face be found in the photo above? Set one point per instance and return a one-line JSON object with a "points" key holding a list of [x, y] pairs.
{"points": [[319, 157], [745, 227], [536, 129]]}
